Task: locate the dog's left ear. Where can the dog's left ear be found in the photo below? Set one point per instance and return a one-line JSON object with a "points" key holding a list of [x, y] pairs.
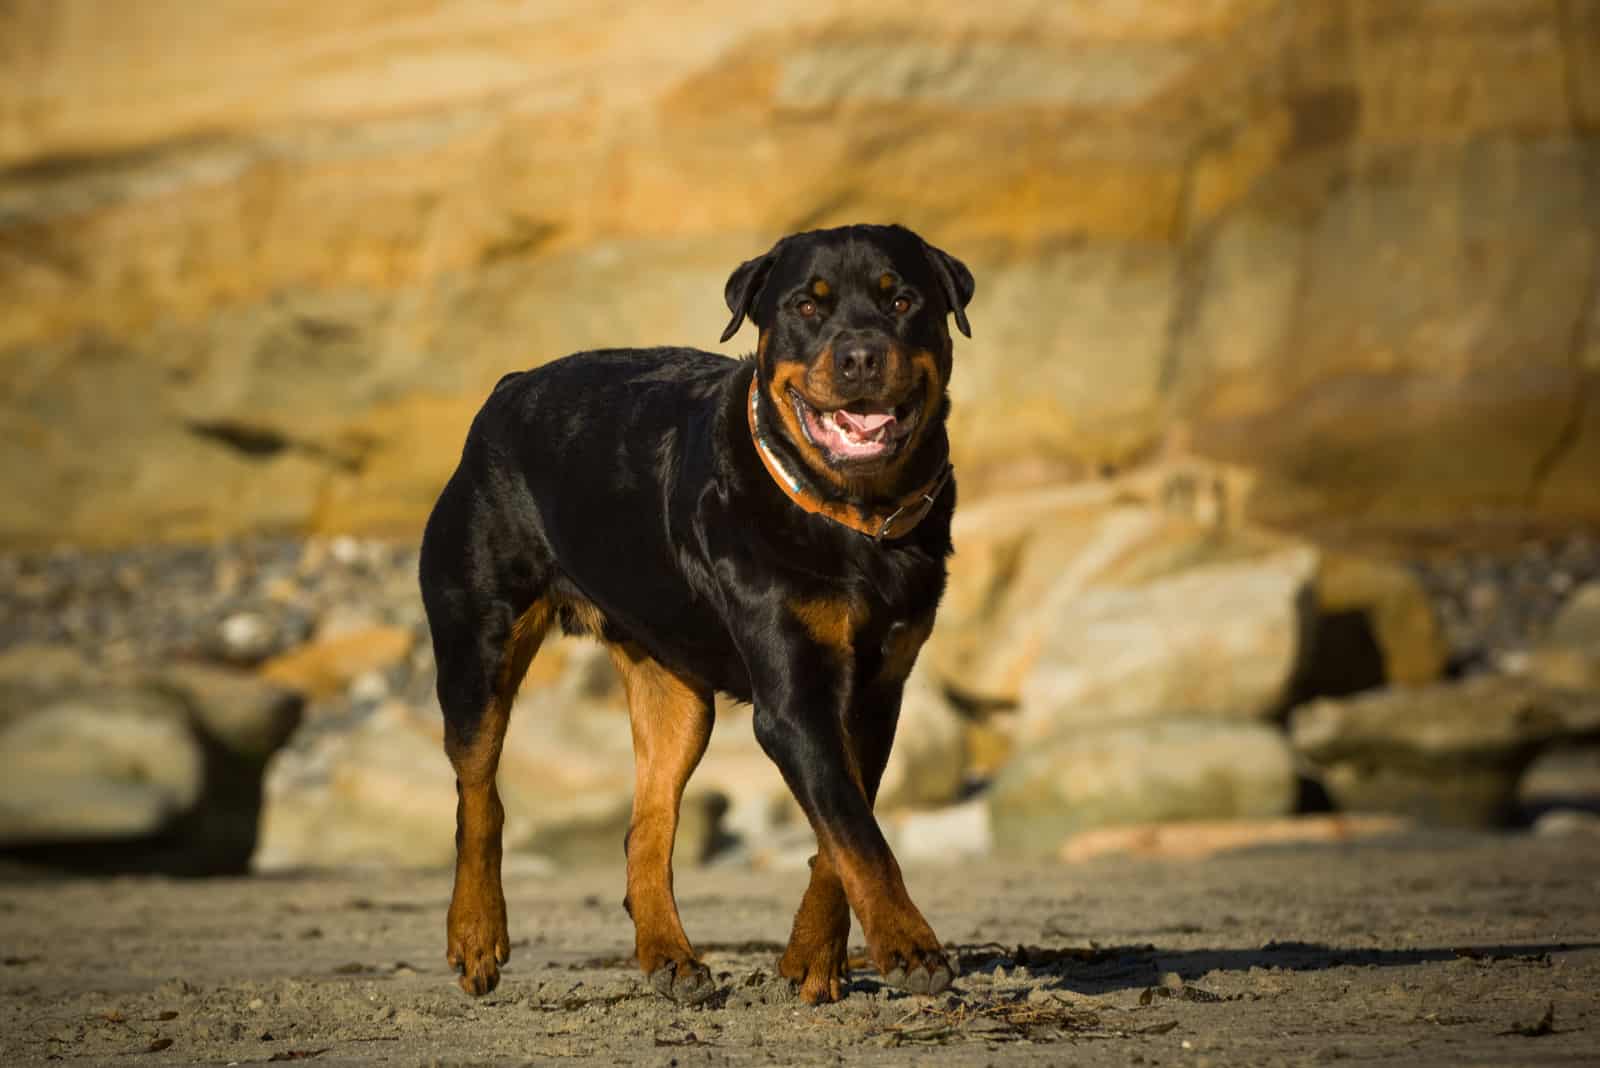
{"points": [[744, 285], [956, 280]]}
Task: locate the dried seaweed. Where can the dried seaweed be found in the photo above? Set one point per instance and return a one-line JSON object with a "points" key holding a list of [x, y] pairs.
{"points": [[1019, 1020]]}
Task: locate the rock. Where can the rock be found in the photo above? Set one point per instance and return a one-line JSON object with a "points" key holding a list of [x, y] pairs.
{"points": [[1450, 753], [167, 761], [327, 666], [1015, 558], [1564, 776], [247, 638], [1198, 839], [1021, 558], [941, 834], [115, 763], [1569, 653], [379, 792], [1140, 773], [1330, 279], [1221, 641], [248, 715], [1389, 607], [1560, 823]]}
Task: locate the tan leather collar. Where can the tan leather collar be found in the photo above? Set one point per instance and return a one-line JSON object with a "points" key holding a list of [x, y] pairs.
{"points": [[896, 521]]}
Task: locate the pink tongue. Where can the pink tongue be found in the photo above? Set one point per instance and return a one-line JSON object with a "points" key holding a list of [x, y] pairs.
{"points": [[866, 423]]}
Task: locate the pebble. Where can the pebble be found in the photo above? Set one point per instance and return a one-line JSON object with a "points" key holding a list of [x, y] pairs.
{"points": [[247, 637], [369, 688]]}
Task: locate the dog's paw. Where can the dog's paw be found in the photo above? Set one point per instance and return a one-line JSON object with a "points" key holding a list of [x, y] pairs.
{"points": [[686, 981], [914, 962], [924, 972], [818, 972], [478, 944]]}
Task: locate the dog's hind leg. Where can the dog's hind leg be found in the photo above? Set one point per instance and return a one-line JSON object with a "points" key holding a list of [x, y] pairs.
{"points": [[482, 650], [671, 718]]}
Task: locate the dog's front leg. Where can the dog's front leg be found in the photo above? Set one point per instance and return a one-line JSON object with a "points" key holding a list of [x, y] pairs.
{"points": [[801, 697]]}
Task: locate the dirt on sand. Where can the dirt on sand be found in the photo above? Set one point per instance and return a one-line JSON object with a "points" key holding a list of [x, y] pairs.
{"points": [[1428, 949]]}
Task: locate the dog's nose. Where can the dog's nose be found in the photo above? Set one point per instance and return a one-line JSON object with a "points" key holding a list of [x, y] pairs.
{"points": [[860, 362]]}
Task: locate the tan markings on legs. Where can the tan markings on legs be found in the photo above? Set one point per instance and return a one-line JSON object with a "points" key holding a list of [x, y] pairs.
{"points": [[899, 939], [817, 952], [818, 945], [477, 938], [671, 718]]}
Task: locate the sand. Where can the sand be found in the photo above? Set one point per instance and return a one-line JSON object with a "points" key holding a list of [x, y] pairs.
{"points": [[1430, 949]]}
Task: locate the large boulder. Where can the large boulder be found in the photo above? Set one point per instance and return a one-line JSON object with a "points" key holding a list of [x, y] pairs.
{"points": [[1023, 558], [1141, 773], [1017, 557], [1449, 753], [258, 279], [1221, 641], [165, 763], [107, 764]]}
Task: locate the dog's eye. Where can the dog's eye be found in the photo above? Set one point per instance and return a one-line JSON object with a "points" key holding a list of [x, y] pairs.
{"points": [[806, 308], [902, 305]]}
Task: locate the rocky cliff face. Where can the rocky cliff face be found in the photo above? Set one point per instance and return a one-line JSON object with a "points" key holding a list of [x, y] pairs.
{"points": [[259, 263]]}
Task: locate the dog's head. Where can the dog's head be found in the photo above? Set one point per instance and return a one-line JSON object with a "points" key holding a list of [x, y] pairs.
{"points": [[854, 353]]}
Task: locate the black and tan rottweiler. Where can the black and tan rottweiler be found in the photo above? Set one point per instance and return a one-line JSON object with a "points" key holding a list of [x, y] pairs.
{"points": [[774, 528]]}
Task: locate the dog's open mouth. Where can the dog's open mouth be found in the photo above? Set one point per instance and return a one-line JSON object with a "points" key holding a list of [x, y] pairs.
{"points": [[857, 431]]}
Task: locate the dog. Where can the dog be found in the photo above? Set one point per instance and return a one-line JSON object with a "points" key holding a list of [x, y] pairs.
{"points": [[774, 528]]}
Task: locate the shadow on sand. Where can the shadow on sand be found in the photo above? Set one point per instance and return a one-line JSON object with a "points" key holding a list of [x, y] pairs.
{"points": [[1103, 970]]}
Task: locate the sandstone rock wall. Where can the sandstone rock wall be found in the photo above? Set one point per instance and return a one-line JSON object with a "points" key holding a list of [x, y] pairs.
{"points": [[259, 263]]}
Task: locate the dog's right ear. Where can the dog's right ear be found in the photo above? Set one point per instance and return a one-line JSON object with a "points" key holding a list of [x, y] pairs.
{"points": [[744, 286]]}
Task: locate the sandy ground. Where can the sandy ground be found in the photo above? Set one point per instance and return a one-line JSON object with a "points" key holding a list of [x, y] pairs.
{"points": [[1427, 950]]}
